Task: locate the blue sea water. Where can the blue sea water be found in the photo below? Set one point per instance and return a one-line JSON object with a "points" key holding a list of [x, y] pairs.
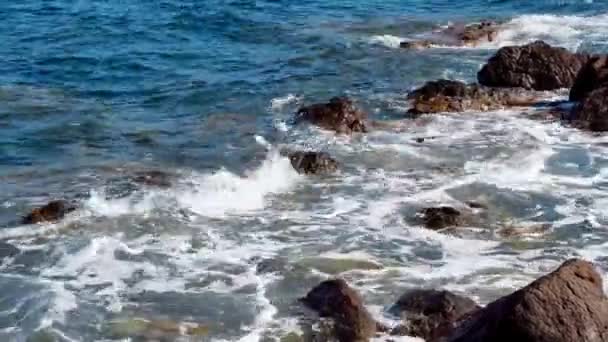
{"points": [[92, 92]]}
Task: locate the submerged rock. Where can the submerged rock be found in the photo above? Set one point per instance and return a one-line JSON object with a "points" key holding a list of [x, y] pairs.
{"points": [[339, 114], [458, 35], [441, 217], [431, 314], [455, 96], [336, 265], [564, 306], [536, 66], [313, 162], [152, 329], [53, 211], [592, 112], [7, 250], [592, 76], [158, 179], [336, 300]]}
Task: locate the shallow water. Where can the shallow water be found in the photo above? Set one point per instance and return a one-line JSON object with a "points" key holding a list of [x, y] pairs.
{"points": [[93, 92]]}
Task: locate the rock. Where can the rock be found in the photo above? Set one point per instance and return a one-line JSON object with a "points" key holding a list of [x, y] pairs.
{"points": [[336, 300], [536, 66], [313, 162], [337, 266], [441, 217], [153, 329], [454, 96], [458, 35], [592, 76], [592, 112], [7, 250], [431, 314], [564, 306], [53, 211], [158, 179], [416, 45], [339, 114]]}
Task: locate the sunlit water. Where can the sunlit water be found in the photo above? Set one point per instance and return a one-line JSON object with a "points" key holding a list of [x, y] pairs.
{"points": [[93, 91]]}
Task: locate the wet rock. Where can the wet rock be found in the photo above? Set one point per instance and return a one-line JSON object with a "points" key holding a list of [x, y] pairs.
{"points": [[592, 76], [564, 306], [338, 265], [416, 45], [458, 35], [339, 114], [53, 211], [154, 329], [536, 66], [453, 96], [158, 179], [7, 250], [592, 112], [336, 300], [441, 217], [271, 266], [313, 162], [431, 314]]}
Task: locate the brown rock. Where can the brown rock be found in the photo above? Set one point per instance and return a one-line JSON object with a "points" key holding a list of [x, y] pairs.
{"points": [[416, 45], [444, 96], [441, 217], [336, 300], [313, 162], [431, 314], [592, 112], [592, 76], [458, 35], [536, 66], [340, 114], [564, 306], [53, 211]]}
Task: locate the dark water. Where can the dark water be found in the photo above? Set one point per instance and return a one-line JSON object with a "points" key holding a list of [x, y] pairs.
{"points": [[92, 92]]}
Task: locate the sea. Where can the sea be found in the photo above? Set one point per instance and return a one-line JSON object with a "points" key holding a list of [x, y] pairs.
{"points": [[93, 92]]}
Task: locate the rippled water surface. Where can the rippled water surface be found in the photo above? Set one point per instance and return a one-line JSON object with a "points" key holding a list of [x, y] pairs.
{"points": [[94, 92]]}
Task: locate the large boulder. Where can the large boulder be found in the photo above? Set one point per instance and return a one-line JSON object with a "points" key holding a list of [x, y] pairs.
{"points": [[339, 114], [336, 300], [431, 314], [458, 35], [564, 306], [592, 112], [313, 162], [536, 66], [52, 211], [592, 76], [454, 96]]}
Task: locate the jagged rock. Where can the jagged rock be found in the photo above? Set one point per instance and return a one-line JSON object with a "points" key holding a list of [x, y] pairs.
{"points": [[431, 314], [336, 300], [536, 66], [455, 96], [441, 217], [592, 112], [458, 35], [313, 162], [564, 306], [53, 211], [339, 114], [592, 76]]}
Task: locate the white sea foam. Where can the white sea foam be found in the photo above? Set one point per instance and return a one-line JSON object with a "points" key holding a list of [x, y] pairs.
{"points": [[386, 40], [279, 103]]}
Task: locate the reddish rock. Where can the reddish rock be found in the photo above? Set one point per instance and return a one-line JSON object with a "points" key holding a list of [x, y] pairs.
{"points": [[441, 217], [431, 314], [592, 76], [458, 35], [336, 300], [340, 114], [53, 211], [564, 306], [536, 66], [592, 112]]}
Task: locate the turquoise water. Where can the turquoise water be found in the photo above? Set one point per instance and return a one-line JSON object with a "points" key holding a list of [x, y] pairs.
{"points": [[94, 91]]}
